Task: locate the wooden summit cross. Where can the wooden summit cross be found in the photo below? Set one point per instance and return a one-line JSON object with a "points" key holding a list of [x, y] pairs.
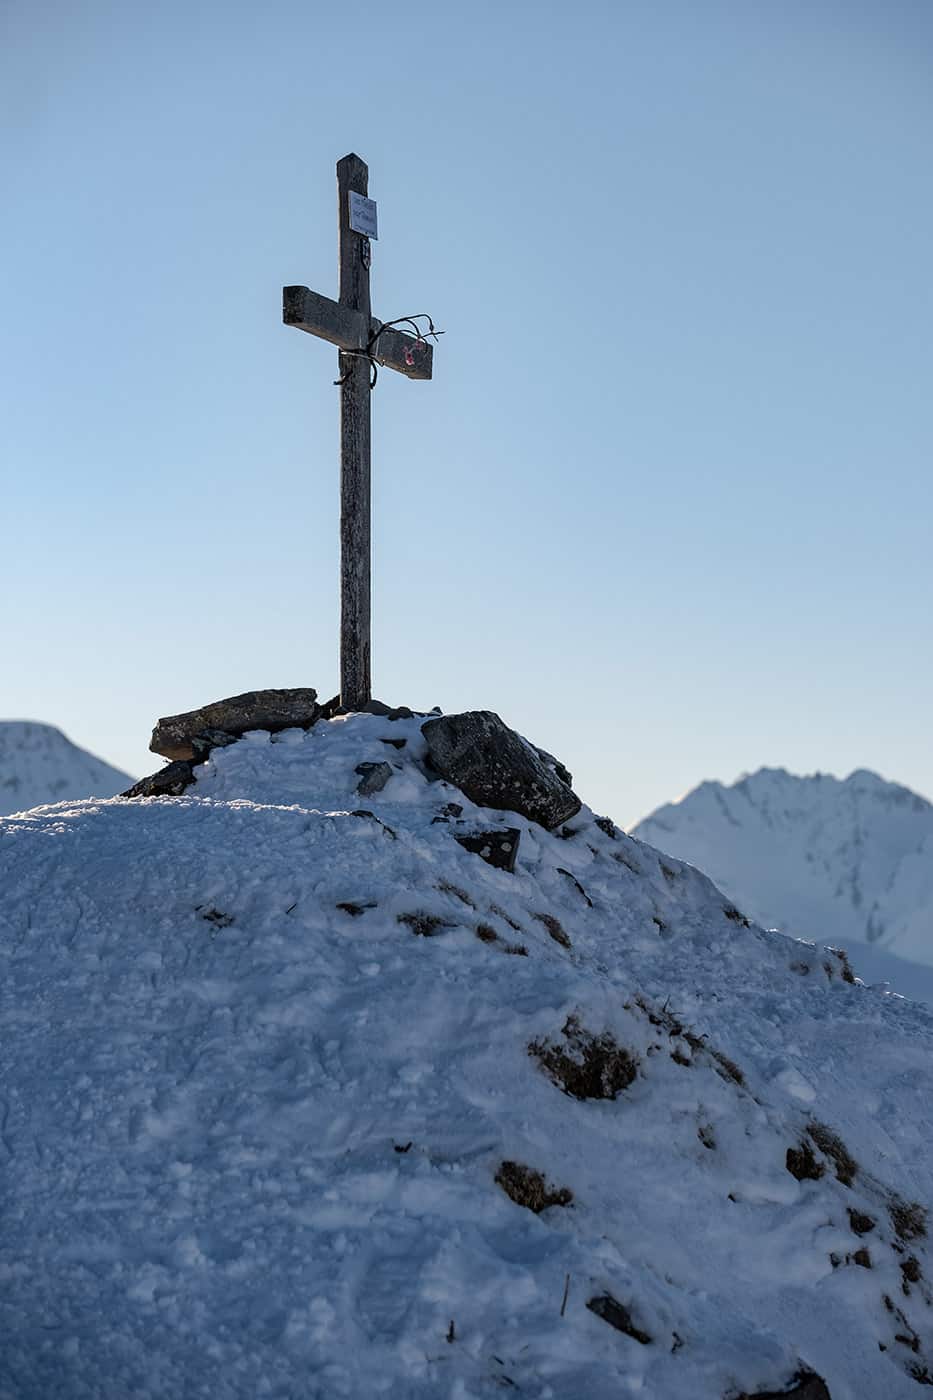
{"points": [[363, 342]]}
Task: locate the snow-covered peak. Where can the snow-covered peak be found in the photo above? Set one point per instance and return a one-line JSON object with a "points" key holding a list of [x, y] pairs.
{"points": [[38, 764], [299, 1095], [818, 856]]}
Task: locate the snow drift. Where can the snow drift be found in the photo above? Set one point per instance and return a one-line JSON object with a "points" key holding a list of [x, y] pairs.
{"points": [[300, 1097]]}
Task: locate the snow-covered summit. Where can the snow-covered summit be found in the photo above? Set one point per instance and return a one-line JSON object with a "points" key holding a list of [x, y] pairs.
{"points": [[300, 1096], [817, 856], [38, 764]]}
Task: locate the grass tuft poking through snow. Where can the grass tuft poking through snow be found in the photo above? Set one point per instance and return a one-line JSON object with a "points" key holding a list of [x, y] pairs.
{"points": [[590, 1067]]}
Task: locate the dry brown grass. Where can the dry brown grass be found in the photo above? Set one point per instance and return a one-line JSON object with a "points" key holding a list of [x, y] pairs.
{"points": [[554, 928], [834, 1148], [528, 1188], [588, 1066]]}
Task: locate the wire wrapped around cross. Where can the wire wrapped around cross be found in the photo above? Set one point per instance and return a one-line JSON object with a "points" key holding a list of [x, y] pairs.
{"points": [[371, 350]]}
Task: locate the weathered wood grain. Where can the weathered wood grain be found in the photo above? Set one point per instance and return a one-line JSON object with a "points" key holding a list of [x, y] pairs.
{"points": [[327, 319], [355, 446], [349, 324]]}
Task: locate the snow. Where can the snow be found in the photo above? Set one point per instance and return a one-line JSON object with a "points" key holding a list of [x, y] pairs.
{"points": [[847, 862], [39, 764], [250, 1139]]}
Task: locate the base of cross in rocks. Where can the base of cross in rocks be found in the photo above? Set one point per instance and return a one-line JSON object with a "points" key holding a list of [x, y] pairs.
{"points": [[475, 751]]}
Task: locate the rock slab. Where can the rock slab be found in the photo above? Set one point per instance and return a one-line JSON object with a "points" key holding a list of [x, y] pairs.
{"points": [[495, 767], [191, 736]]}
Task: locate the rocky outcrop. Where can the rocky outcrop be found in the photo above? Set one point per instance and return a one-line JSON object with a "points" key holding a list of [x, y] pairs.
{"points": [[495, 767], [170, 781], [191, 736], [373, 777]]}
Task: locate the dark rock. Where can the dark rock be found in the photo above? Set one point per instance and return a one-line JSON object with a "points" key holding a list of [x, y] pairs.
{"points": [[256, 709], [373, 777], [861, 1223], [805, 1385], [495, 767], [351, 907], [802, 1164], [618, 1316], [496, 848], [170, 781], [211, 739], [371, 816], [396, 743], [554, 763]]}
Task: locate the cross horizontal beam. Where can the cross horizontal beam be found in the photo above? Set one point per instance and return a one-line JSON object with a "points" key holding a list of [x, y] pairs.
{"points": [[348, 329]]}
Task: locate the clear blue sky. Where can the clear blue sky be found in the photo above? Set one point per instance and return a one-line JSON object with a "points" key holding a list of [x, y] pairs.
{"points": [[667, 503]]}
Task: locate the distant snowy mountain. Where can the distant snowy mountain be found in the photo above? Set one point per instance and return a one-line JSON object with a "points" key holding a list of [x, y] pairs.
{"points": [[39, 765], [817, 857]]}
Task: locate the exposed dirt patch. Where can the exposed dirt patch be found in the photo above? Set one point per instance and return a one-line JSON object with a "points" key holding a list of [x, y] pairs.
{"points": [[215, 917], [528, 1188], [862, 1258], [353, 908], [425, 925], [590, 1066], [802, 1163], [908, 1218], [834, 1148], [485, 934], [555, 928], [910, 1268], [618, 1316], [860, 1223]]}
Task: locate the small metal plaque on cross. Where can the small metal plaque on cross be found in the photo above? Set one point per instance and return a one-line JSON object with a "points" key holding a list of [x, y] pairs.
{"points": [[363, 343]]}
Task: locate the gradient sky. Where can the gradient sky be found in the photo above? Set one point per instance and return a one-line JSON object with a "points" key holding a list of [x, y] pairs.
{"points": [[666, 505]]}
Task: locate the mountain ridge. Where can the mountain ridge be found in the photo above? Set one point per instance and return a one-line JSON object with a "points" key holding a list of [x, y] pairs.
{"points": [[820, 857], [39, 764]]}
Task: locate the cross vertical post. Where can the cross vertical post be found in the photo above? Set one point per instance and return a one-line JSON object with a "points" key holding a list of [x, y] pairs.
{"points": [[364, 343], [355, 449]]}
